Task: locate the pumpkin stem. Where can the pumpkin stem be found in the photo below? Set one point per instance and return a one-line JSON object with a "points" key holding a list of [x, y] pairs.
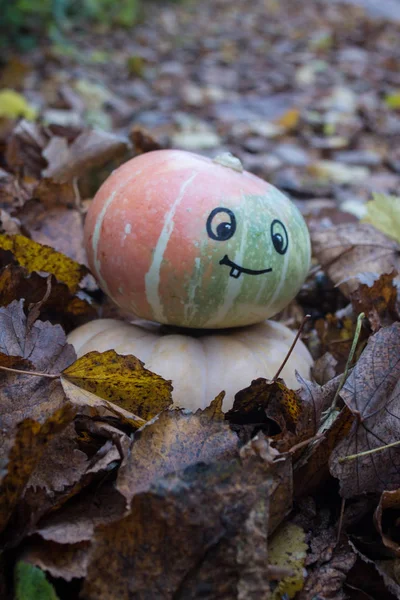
{"points": [[305, 319]]}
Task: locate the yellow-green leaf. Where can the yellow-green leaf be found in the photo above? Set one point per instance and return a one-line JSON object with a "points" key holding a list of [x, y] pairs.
{"points": [[31, 583], [13, 105], [393, 100], [121, 380], [287, 549], [383, 212], [37, 257]]}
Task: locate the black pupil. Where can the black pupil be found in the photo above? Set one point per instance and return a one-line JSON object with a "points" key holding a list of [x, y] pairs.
{"points": [[224, 230], [278, 241]]}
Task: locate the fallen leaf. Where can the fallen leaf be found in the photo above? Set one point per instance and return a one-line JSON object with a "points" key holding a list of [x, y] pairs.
{"points": [[371, 393], [377, 299], [91, 148], [178, 438], [35, 257], [24, 149], [61, 306], [66, 561], [393, 100], [347, 250], [62, 464], [121, 380], [336, 337], [170, 535], [13, 106], [143, 141], [21, 451], [56, 226], [388, 527], [324, 368], [383, 212], [288, 549], [76, 521], [31, 583]]}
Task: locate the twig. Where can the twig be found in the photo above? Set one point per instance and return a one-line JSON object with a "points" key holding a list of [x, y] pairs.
{"points": [[347, 367], [314, 438], [341, 520], [34, 373], [305, 319], [367, 452]]}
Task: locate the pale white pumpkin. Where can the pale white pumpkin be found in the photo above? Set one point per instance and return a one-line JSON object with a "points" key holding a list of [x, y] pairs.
{"points": [[202, 365]]}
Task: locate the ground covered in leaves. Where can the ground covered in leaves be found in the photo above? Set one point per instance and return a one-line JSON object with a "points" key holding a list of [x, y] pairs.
{"points": [[106, 491]]}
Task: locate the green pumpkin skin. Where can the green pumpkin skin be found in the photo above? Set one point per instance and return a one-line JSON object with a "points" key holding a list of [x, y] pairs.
{"points": [[167, 217]]}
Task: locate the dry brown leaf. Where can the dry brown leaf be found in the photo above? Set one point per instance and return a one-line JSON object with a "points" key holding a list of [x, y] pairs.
{"points": [[62, 464], [377, 299], [21, 451], [178, 439], [76, 520], [372, 394], [56, 226], [24, 149], [347, 250], [336, 337], [389, 527], [44, 347], [91, 148], [121, 380], [170, 535], [324, 368], [68, 561], [61, 306]]}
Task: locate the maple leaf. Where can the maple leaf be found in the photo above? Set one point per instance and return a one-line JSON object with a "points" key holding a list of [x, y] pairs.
{"points": [[372, 394]]}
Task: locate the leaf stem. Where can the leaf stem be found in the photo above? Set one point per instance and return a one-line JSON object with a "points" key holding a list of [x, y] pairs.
{"points": [[330, 410], [305, 319], [367, 452], [34, 373]]}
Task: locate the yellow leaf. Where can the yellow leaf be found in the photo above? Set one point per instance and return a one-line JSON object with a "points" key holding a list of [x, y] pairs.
{"points": [[13, 105], [37, 257], [383, 212], [287, 549], [393, 100], [290, 119], [121, 380]]}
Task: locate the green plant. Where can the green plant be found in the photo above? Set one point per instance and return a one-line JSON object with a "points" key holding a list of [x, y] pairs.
{"points": [[23, 22]]}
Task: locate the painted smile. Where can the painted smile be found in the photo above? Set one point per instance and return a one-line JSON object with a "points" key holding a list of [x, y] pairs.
{"points": [[236, 271]]}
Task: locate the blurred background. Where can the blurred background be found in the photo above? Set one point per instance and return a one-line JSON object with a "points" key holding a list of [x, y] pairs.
{"points": [[307, 94]]}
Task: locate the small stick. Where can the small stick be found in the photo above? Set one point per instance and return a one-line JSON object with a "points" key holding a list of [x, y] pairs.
{"points": [[305, 319], [341, 520], [367, 452], [34, 373], [314, 438]]}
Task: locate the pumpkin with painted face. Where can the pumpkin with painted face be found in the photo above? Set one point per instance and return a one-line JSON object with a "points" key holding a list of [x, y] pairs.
{"points": [[184, 240]]}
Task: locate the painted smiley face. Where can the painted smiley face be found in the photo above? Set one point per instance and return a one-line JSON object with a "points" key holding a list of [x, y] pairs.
{"points": [[184, 240], [223, 230]]}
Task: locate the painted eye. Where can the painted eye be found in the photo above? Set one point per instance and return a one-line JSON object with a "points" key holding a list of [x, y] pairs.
{"points": [[279, 236], [221, 224]]}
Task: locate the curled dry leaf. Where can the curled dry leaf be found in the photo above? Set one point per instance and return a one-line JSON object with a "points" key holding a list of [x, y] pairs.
{"points": [[376, 296], [36, 257], [121, 380], [372, 394], [178, 439], [91, 148], [389, 501], [347, 250]]}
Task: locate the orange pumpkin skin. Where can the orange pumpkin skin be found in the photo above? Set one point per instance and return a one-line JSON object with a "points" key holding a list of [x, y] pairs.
{"points": [[154, 250]]}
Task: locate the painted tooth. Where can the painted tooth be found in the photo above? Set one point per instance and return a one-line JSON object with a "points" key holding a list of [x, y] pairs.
{"points": [[235, 273]]}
